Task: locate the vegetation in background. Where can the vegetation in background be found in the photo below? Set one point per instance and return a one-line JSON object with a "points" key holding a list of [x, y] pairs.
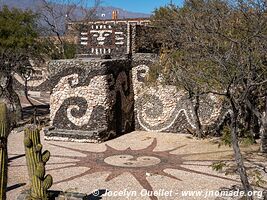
{"points": [[19, 48], [57, 24], [219, 48]]}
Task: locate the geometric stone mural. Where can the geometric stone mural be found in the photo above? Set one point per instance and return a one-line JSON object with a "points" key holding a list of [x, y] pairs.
{"points": [[98, 98], [106, 37], [102, 39], [93, 100]]}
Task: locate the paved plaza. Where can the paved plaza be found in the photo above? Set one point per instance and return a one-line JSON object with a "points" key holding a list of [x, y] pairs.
{"points": [[129, 167]]}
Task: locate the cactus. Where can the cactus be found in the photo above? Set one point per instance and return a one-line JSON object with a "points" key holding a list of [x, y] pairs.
{"points": [[36, 161], [4, 131]]}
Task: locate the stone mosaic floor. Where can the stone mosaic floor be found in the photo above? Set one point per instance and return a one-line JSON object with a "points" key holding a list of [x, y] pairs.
{"points": [[130, 167]]}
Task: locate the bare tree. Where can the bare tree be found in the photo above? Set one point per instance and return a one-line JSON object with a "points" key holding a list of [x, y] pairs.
{"points": [[56, 17], [220, 47]]}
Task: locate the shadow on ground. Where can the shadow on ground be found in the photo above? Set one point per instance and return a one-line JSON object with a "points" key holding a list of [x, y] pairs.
{"points": [[39, 110], [41, 113], [13, 187]]}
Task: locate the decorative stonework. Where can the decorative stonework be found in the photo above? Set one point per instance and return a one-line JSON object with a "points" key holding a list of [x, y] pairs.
{"points": [[164, 109], [103, 39], [93, 97], [37, 80], [93, 100], [140, 163], [65, 93], [114, 38], [127, 160]]}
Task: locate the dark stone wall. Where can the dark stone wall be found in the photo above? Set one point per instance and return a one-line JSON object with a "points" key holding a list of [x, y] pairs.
{"points": [[115, 38], [100, 39]]}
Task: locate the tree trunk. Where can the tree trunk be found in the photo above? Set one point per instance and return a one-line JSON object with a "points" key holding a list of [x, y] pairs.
{"points": [[251, 120], [195, 106], [264, 138], [237, 152], [15, 101], [255, 129], [264, 130], [18, 111], [263, 118]]}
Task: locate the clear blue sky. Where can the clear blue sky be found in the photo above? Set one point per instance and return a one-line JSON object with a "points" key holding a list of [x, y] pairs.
{"points": [[144, 6]]}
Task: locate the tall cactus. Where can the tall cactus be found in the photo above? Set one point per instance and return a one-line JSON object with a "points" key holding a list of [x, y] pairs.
{"points": [[4, 131], [36, 161]]}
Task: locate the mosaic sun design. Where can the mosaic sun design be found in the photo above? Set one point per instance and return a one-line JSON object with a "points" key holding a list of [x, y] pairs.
{"points": [[137, 162]]}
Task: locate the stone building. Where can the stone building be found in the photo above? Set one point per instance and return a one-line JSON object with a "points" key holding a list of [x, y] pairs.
{"points": [[102, 94], [115, 37]]}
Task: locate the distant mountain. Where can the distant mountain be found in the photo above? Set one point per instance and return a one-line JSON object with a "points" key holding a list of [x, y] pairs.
{"points": [[22, 4], [61, 13], [102, 12]]}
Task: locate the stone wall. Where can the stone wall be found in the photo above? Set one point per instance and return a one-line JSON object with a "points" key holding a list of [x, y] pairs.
{"points": [[117, 38], [97, 99], [92, 100], [162, 108], [103, 39], [107, 37]]}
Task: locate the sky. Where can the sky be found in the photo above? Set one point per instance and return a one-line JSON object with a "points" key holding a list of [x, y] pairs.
{"points": [[143, 6]]}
